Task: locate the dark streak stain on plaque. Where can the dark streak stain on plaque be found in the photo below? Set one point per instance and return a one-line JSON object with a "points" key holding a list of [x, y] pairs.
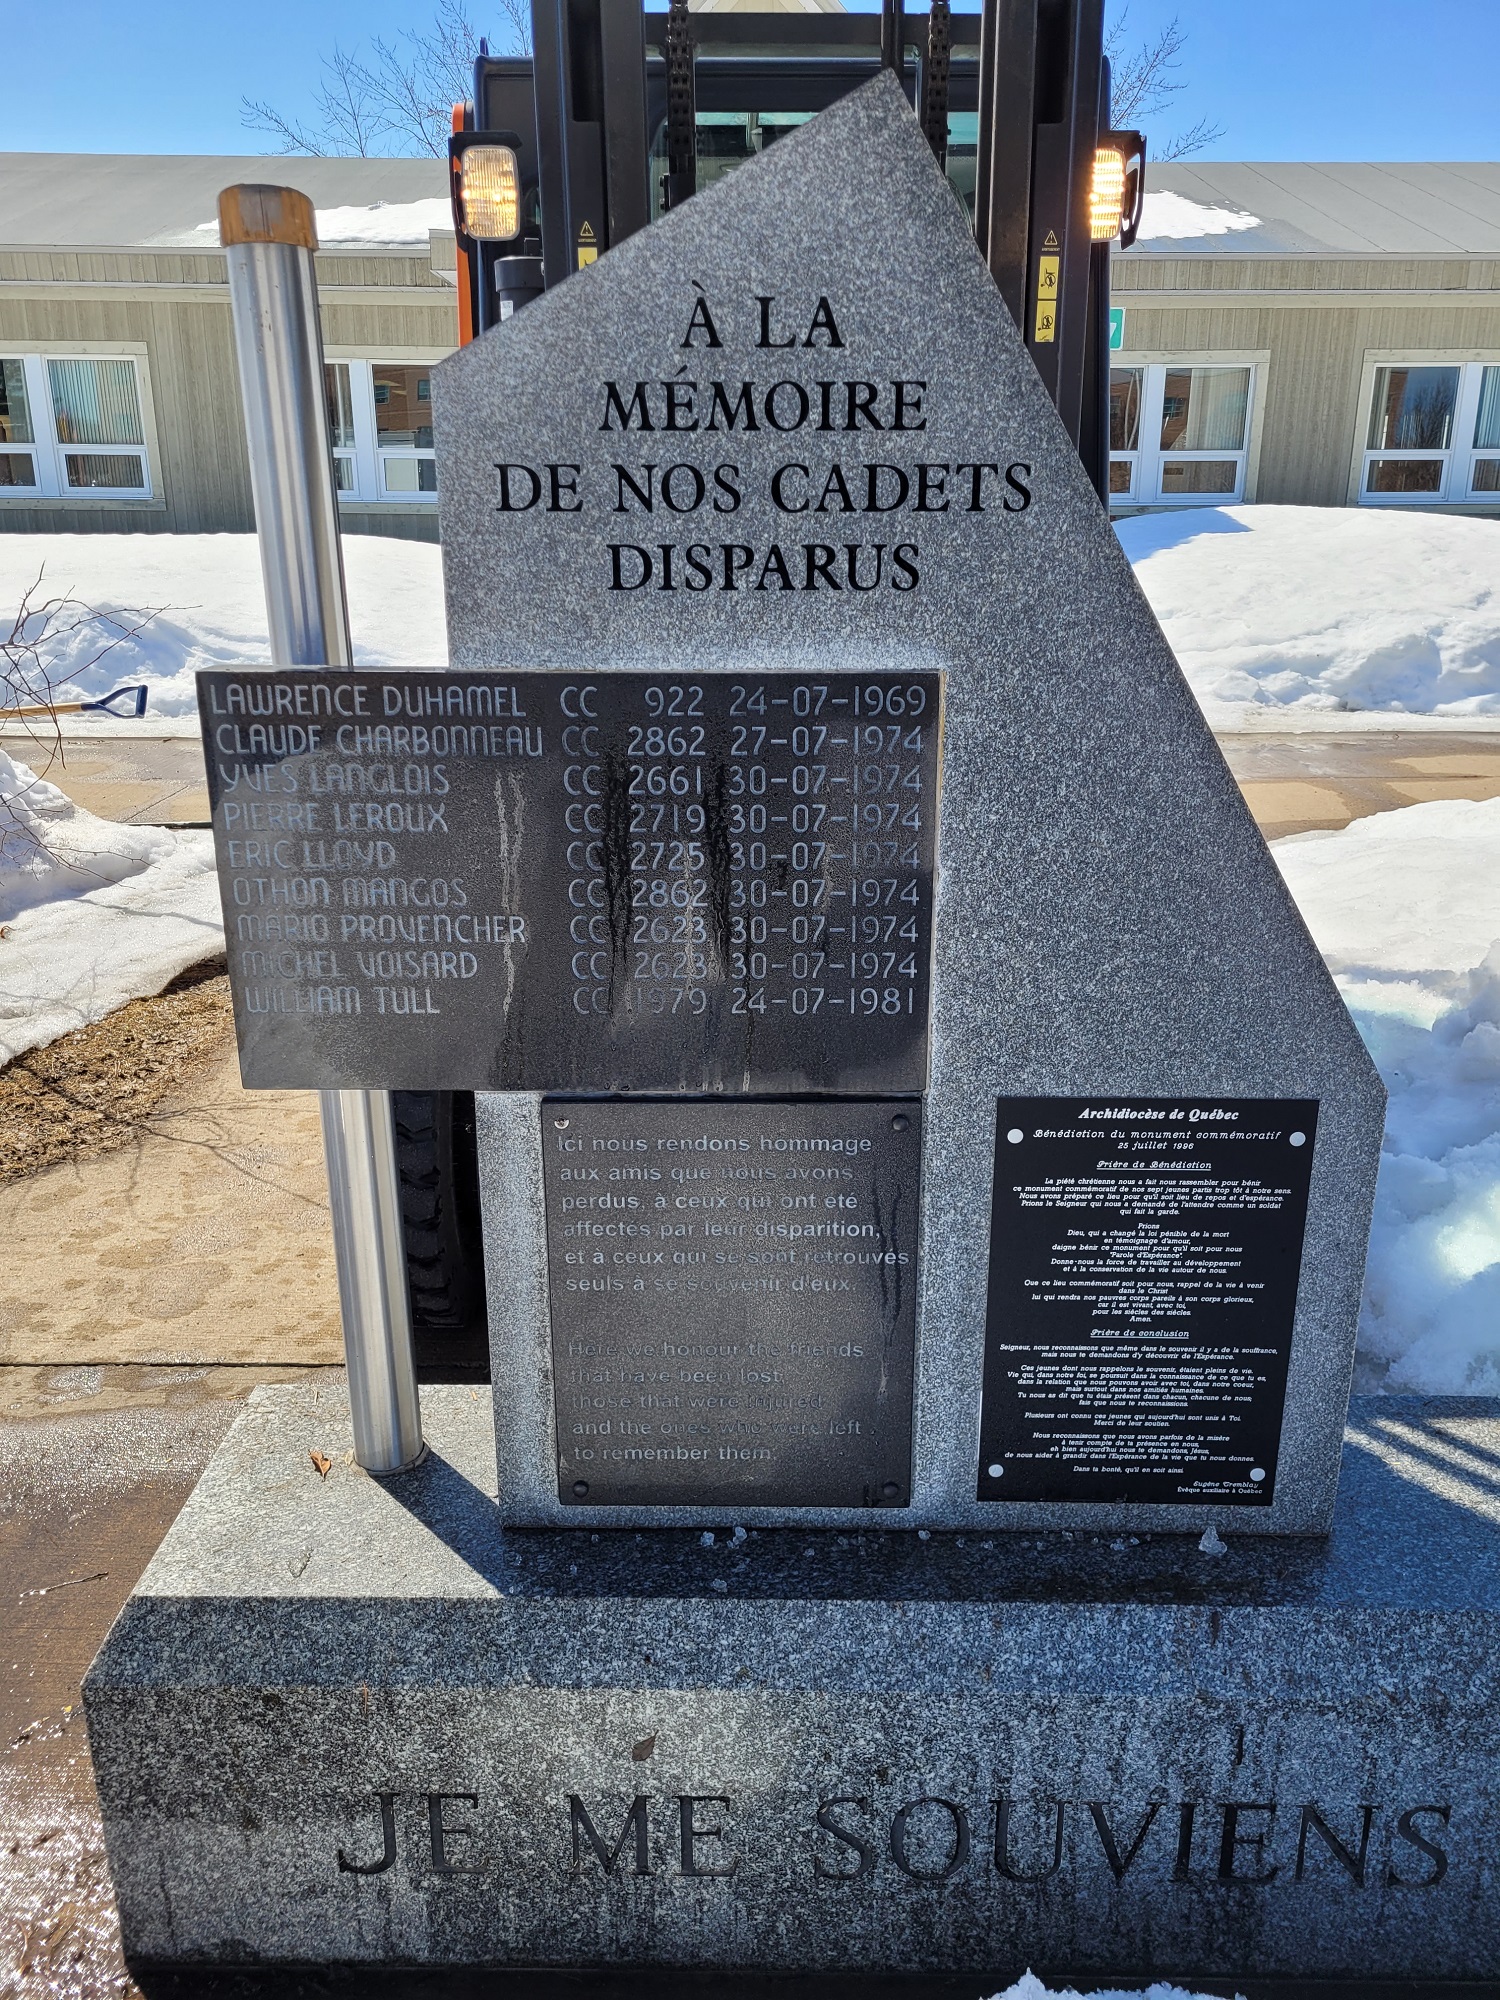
{"points": [[1144, 1261], [614, 882], [733, 1296]]}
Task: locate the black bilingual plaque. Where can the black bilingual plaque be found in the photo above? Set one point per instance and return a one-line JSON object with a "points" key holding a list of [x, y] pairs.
{"points": [[733, 1297], [1144, 1259], [630, 882]]}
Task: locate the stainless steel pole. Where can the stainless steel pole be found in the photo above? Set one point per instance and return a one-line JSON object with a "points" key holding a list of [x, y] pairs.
{"points": [[269, 236]]}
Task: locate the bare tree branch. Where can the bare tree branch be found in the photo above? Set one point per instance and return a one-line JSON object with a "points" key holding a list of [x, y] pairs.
{"points": [[30, 674], [1192, 141], [518, 15], [349, 102], [1143, 81], [350, 119], [399, 101], [29, 670], [266, 118]]}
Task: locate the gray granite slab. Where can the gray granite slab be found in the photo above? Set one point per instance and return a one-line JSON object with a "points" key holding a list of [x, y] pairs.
{"points": [[308, 1659], [1107, 918]]}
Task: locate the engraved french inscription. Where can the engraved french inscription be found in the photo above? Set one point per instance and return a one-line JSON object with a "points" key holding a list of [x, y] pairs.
{"points": [[733, 1295]]}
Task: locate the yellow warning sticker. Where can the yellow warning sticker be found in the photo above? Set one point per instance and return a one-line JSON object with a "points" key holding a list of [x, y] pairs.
{"points": [[1048, 269], [588, 245]]}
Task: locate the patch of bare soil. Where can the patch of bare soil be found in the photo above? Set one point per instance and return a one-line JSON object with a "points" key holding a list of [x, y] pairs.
{"points": [[93, 1090]]}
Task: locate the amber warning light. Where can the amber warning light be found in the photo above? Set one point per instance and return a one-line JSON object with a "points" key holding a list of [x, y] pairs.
{"points": [[490, 193], [1106, 195]]}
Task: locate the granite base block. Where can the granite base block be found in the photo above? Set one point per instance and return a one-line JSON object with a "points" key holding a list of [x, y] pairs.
{"points": [[346, 1720]]}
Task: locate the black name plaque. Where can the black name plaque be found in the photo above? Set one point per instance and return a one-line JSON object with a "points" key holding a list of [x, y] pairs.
{"points": [[1144, 1261], [626, 882], [733, 1296]]}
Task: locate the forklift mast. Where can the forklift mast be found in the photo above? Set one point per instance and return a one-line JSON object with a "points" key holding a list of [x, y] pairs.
{"points": [[619, 115]]}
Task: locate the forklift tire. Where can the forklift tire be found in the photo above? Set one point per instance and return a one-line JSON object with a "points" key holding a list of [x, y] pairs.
{"points": [[439, 1167]]}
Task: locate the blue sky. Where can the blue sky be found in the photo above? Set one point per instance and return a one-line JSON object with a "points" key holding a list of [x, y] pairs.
{"points": [[1287, 79]]}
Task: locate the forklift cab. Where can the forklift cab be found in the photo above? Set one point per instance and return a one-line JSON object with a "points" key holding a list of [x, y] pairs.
{"points": [[758, 77], [619, 115], [754, 78]]}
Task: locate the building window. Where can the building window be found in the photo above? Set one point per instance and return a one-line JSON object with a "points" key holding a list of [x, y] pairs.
{"points": [[1433, 433], [1485, 473], [1179, 433], [1124, 430], [341, 425], [380, 430], [80, 419], [17, 468], [403, 429]]}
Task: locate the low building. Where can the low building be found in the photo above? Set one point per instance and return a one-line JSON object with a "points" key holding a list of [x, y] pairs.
{"points": [[119, 398], [1324, 335]]}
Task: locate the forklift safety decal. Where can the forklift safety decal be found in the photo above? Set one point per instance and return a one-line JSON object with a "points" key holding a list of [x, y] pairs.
{"points": [[1046, 296]]}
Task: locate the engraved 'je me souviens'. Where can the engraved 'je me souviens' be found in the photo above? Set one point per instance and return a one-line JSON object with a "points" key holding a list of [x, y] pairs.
{"points": [[1244, 1842]]}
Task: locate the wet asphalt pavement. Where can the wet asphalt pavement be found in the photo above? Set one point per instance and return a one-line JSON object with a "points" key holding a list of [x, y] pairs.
{"points": [[87, 1497]]}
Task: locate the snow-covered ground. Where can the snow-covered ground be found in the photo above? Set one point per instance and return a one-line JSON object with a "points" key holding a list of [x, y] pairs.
{"points": [[92, 914], [1405, 907], [210, 604], [1326, 608], [1299, 612], [1029, 1987]]}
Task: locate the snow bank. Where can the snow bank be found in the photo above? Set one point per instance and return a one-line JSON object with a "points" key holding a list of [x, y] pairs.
{"points": [[385, 222], [1326, 608], [389, 222], [1405, 907], [1296, 611], [215, 611], [1029, 1987], [92, 914], [1174, 215], [49, 849]]}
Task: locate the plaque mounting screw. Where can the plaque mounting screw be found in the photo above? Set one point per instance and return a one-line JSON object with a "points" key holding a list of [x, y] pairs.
{"points": [[561, 1124], [580, 1487], [900, 1123]]}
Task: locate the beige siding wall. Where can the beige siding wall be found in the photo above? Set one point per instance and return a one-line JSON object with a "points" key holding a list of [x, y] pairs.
{"points": [[1135, 272], [1316, 318], [175, 306], [1312, 385]]}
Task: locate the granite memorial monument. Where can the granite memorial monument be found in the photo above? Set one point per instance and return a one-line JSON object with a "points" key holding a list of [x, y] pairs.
{"points": [[909, 1101]]}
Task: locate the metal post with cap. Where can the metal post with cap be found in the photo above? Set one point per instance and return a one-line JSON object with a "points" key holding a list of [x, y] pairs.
{"points": [[269, 237]]}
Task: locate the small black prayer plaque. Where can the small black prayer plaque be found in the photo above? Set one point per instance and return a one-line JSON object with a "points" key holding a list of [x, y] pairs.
{"points": [[612, 882], [1144, 1258], [733, 1293]]}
